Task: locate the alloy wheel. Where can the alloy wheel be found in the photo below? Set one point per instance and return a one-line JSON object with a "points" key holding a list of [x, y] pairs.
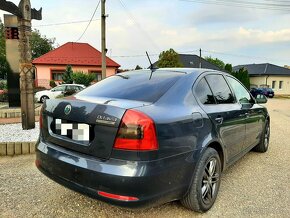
{"points": [[210, 181]]}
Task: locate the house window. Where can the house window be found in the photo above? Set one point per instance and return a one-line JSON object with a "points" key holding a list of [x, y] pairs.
{"points": [[57, 75], [273, 84], [280, 84], [98, 75]]}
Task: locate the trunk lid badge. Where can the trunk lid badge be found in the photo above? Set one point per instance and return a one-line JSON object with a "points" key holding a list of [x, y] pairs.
{"points": [[67, 109]]}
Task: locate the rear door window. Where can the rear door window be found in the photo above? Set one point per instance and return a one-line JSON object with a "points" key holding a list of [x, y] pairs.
{"points": [[134, 85], [220, 89], [204, 93]]}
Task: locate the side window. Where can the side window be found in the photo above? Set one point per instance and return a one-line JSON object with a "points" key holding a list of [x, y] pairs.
{"points": [[59, 88], [241, 93], [220, 88], [204, 93]]}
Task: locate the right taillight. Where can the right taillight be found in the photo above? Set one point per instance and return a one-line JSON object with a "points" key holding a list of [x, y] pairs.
{"points": [[137, 132]]}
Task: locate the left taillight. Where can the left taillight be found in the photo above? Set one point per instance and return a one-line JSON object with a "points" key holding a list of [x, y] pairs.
{"points": [[40, 118]]}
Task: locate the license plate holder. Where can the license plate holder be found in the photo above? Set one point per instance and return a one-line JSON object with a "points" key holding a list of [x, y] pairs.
{"points": [[79, 132]]}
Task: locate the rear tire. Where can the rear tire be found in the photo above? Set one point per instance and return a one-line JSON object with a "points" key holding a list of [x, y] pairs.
{"points": [[205, 184], [265, 138]]}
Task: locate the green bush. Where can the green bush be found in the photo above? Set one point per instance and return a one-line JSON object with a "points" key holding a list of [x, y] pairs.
{"points": [[3, 84], [67, 76], [82, 78], [52, 83]]}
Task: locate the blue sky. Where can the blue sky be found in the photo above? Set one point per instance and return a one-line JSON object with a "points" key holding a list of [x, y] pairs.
{"points": [[236, 35]]}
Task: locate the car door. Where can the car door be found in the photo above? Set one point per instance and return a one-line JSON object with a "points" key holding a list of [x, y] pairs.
{"points": [[223, 111], [252, 112], [57, 91]]}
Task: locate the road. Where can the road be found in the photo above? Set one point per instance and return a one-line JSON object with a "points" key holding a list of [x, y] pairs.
{"points": [[256, 186]]}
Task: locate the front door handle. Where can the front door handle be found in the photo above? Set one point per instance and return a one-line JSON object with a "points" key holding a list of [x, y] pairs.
{"points": [[219, 120]]}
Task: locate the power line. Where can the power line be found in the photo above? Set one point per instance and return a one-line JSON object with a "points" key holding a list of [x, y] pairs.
{"points": [[240, 5], [89, 21], [65, 23], [134, 21]]}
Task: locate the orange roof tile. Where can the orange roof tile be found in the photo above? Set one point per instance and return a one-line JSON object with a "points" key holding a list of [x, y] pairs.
{"points": [[74, 53]]}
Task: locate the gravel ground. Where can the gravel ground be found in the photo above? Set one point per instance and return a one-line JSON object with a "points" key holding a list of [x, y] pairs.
{"points": [[256, 186], [15, 133]]}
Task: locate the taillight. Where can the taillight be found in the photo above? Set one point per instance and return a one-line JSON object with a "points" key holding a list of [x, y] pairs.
{"points": [[40, 118], [136, 132]]}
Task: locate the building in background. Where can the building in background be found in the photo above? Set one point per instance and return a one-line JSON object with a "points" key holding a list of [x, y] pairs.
{"points": [[81, 56], [268, 75], [193, 61]]}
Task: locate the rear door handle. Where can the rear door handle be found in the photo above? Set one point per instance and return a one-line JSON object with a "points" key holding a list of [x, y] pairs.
{"points": [[219, 120]]}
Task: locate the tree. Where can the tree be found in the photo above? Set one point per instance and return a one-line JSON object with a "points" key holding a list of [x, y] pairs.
{"points": [[138, 67], [4, 66], [40, 45], [67, 76], [84, 79], [229, 68], [2, 40], [169, 58], [243, 76], [219, 63]]}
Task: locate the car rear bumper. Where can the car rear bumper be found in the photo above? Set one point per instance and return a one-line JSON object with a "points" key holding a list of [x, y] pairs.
{"points": [[152, 182]]}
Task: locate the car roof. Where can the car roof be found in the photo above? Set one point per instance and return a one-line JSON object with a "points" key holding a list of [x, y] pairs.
{"points": [[183, 70]]}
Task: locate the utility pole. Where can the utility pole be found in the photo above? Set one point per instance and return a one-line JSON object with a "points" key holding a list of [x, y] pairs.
{"points": [[103, 36], [200, 58]]}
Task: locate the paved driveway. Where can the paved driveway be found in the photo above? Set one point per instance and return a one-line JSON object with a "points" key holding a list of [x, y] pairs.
{"points": [[256, 186]]}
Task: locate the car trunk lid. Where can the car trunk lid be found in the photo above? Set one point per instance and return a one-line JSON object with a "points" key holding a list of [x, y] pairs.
{"points": [[86, 126]]}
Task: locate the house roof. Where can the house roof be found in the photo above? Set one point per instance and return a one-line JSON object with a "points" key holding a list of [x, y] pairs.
{"points": [[74, 53], [193, 61], [264, 69]]}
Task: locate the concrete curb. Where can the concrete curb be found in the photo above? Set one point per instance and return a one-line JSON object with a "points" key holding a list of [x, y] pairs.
{"points": [[15, 113], [16, 148]]}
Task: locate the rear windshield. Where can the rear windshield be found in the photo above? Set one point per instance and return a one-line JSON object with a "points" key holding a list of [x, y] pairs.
{"points": [[134, 85]]}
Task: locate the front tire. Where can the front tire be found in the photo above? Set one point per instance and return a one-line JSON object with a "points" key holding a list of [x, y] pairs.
{"points": [[205, 184], [43, 98], [263, 146]]}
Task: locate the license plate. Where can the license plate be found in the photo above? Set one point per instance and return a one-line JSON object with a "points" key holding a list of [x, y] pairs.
{"points": [[75, 131], [270, 94]]}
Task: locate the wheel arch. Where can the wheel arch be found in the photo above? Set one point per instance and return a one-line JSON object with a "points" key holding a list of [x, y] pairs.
{"points": [[217, 146]]}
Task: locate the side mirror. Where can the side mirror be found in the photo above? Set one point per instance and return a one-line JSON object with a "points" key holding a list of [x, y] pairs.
{"points": [[261, 99]]}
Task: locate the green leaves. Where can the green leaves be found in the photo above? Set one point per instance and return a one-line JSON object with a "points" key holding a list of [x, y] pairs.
{"points": [[169, 58], [40, 45], [67, 76], [84, 79]]}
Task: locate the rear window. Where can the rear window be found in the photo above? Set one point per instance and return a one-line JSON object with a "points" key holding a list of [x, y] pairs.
{"points": [[134, 85]]}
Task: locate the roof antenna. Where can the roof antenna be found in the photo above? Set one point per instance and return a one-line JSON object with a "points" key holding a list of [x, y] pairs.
{"points": [[151, 66]]}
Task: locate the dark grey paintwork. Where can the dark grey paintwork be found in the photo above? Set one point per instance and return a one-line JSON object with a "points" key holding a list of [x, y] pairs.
{"points": [[185, 128]]}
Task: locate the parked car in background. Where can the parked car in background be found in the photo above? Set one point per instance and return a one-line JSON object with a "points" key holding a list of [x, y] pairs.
{"points": [[264, 91], [147, 137], [64, 89]]}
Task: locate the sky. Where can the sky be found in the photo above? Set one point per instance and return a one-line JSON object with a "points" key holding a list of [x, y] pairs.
{"points": [[236, 35]]}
